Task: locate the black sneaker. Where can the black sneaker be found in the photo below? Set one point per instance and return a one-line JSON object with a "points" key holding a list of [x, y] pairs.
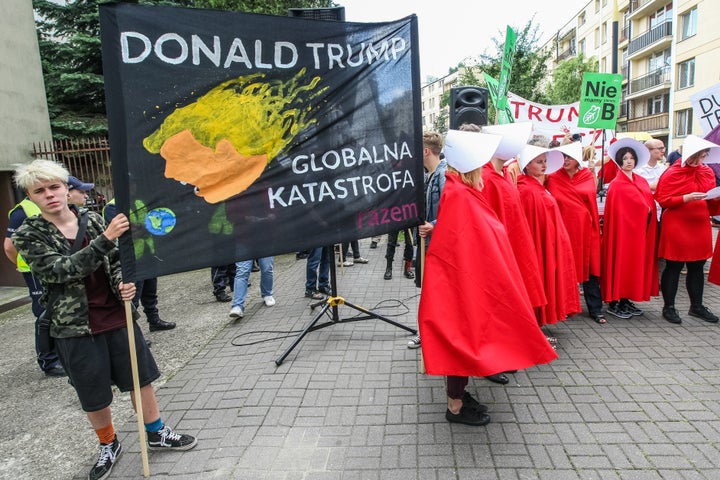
{"points": [[630, 307], [325, 290], [671, 315], [704, 313], [468, 416], [618, 311], [414, 342], [223, 297], [167, 439], [109, 453], [314, 294], [470, 402]]}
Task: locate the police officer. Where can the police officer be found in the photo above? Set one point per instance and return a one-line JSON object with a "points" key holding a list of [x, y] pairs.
{"points": [[48, 361]]}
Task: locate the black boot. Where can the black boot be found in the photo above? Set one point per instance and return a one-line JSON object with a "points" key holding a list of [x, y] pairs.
{"points": [[388, 270], [407, 270], [157, 324]]}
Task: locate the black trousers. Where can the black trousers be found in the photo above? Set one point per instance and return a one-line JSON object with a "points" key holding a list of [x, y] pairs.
{"points": [[146, 295], [222, 276], [695, 281], [392, 241], [591, 292]]}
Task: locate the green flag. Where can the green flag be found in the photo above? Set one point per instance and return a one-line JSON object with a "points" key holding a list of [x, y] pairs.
{"points": [[493, 86], [600, 100], [505, 71]]}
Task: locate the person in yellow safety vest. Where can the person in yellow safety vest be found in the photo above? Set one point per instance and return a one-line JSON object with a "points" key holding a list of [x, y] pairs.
{"points": [[78, 191], [145, 290], [48, 361]]}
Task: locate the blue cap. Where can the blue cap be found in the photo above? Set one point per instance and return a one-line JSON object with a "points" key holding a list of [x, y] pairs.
{"points": [[76, 183]]}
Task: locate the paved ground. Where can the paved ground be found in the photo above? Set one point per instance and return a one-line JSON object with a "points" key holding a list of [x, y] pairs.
{"points": [[633, 399]]}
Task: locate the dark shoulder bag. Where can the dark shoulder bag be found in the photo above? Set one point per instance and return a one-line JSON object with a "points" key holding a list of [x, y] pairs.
{"points": [[45, 342]]}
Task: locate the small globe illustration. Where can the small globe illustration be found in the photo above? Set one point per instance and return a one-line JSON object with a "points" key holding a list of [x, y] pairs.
{"points": [[160, 221]]}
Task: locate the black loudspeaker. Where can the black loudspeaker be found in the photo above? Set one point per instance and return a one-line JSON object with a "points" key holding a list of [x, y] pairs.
{"points": [[331, 13], [468, 105]]}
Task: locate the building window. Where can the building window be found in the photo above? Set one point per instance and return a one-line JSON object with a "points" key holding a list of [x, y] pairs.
{"points": [[581, 47], [597, 37], [686, 74], [604, 33], [582, 19], [656, 104], [603, 68], [683, 122], [688, 24], [661, 15], [597, 6], [659, 60]]}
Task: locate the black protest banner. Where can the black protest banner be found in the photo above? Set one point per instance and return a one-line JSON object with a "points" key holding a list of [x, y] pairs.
{"points": [[237, 136]]}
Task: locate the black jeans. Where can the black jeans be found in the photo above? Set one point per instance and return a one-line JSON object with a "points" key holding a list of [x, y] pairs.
{"points": [[392, 241], [695, 281]]}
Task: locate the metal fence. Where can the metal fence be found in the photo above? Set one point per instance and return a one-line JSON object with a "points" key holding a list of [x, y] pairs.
{"points": [[86, 158]]}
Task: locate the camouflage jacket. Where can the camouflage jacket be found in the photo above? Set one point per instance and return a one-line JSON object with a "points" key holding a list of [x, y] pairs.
{"points": [[47, 252]]}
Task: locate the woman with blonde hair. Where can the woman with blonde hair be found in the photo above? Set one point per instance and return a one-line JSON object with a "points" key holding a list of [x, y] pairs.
{"points": [[475, 316]]}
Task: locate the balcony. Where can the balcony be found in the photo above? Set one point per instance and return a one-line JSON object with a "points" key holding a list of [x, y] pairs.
{"points": [[649, 124], [658, 78], [651, 37], [638, 4], [570, 52], [624, 34]]}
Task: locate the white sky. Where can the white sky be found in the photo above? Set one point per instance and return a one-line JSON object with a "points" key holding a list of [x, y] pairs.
{"points": [[452, 30]]}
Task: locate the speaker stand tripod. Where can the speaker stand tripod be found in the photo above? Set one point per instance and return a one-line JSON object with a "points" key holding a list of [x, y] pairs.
{"points": [[330, 308]]}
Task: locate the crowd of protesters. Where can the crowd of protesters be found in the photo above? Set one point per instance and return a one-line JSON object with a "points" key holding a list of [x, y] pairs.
{"points": [[519, 235]]}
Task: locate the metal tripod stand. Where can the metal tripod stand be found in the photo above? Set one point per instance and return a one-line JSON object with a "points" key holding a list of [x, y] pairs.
{"points": [[330, 308]]}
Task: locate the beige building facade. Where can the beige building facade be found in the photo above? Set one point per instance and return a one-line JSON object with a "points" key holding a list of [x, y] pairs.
{"points": [[24, 119]]}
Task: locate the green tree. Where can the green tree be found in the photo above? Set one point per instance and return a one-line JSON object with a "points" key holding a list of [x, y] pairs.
{"points": [[529, 67], [275, 7], [69, 38], [440, 124], [566, 85]]}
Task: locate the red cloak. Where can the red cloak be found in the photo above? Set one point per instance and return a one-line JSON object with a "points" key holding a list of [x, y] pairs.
{"points": [[608, 170], [552, 247], [714, 275], [630, 231], [474, 321], [503, 197], [577, 201], [686, 233]]}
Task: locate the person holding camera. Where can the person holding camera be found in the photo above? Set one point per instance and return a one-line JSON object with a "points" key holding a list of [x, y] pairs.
{"points": [[88, 323]]}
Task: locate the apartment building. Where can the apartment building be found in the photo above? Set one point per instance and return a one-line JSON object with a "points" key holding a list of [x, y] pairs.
{"points": [[666, 51], [432, 95]]}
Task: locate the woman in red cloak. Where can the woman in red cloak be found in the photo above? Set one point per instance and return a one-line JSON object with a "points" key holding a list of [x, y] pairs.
{"points": [[686, 233], [551, 242], [630, 230], [574, 189], [475, 317]]}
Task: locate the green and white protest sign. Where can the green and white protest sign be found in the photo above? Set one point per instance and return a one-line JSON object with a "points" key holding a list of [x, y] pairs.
{"points": [[600, 100]]}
